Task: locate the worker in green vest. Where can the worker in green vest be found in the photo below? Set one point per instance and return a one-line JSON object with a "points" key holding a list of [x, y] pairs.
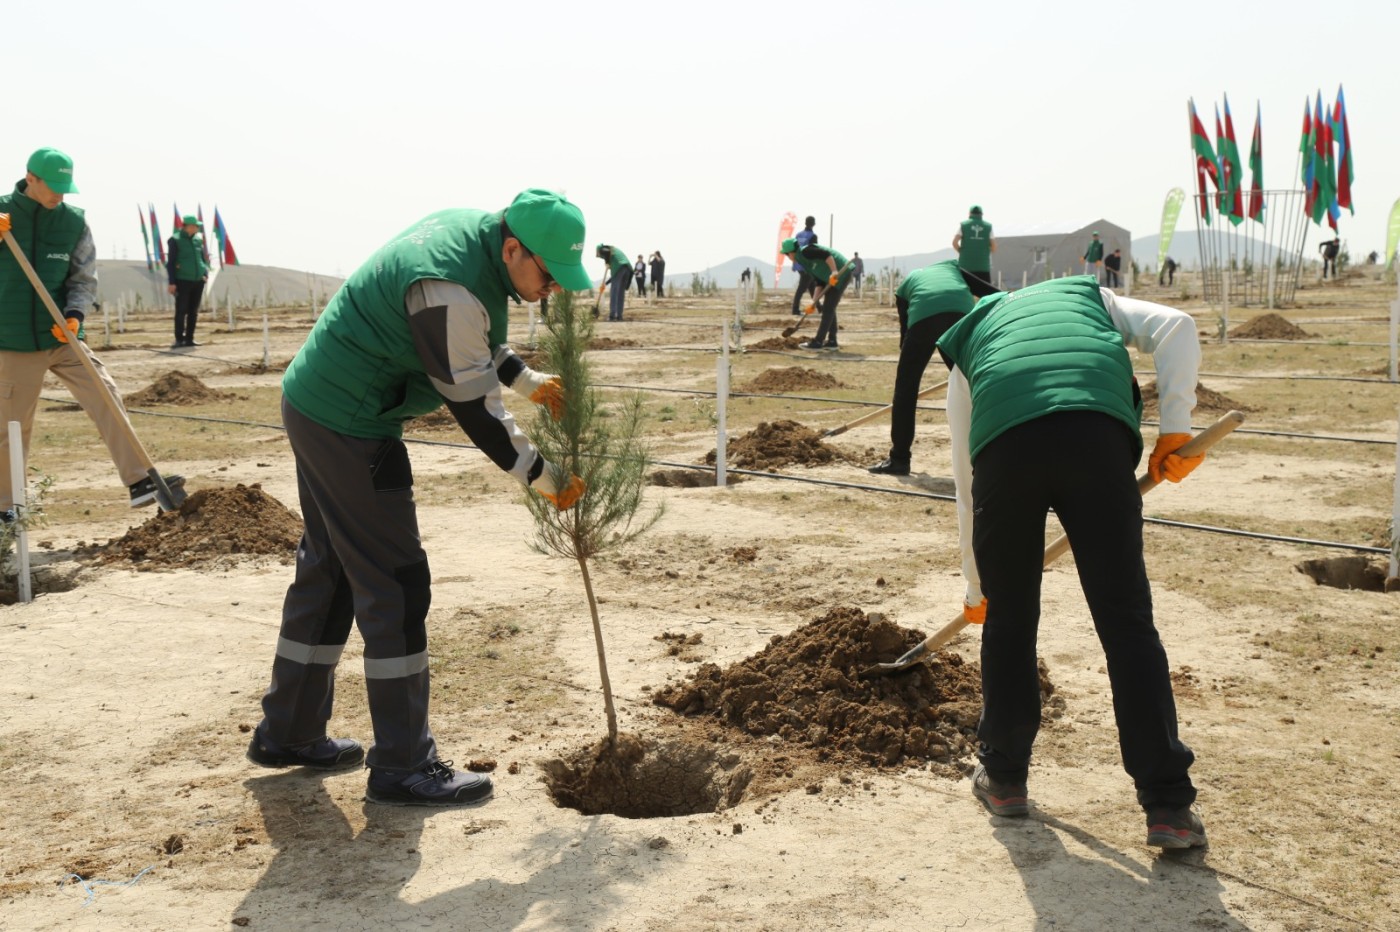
{"points": [[1043, 403], [421, 324], [187, 268], [1093, 257], [974, 244]]}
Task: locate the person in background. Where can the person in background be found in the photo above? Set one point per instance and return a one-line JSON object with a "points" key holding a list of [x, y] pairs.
{"points": [[619, 273], [806, 281], [658, 273], [974, 244], [639, 273], [1113, 264], [1169, 270], [827, 295], [420, 324], [857, 271], [1329, 248], [1044, 412], [1093, 257], [56, 241], [187, 267]]}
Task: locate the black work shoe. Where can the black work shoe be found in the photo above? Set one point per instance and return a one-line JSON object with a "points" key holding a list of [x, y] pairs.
{"points": [[144, 491], [433, 784], [890, 466], [321, 754], [1001, 799], [811, 344], [831, 344], [1175, 828]]}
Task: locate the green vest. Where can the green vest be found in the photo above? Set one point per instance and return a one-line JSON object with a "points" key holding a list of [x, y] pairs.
{"points": [[818, 269], [975, 253], [358, 372], [189, 265], [47, 238], [935, 289], [1095, 251], [1047, 348], [617, 259]]}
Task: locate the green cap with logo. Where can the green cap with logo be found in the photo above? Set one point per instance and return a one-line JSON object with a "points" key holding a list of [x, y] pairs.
{"points": [[789, 245], [974, 211], [552, 228], [190, 220], [55, 169]]}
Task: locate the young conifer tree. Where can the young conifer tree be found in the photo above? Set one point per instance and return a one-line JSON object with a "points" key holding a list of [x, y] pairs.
{"points": [[603, 447]]}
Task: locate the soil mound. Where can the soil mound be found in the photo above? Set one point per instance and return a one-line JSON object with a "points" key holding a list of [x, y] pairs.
{"points": [[440, 419], [610, 343], [1270, 327], [687, 478], [773, 445], [178, 388], [257, 368], [210, 526], [776, 343], [794, 378], [806, 688], [1207, 401]]}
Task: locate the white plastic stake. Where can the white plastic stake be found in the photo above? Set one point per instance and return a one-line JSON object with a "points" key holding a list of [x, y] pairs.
{"points": [[1023, 278], [531, 338], [26, 593], [721, 404], [107, 324], [228, 304], [267, 355], [1394, 330], [1225, 305]]}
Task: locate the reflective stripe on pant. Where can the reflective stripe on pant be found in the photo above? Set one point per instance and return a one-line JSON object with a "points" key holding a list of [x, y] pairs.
{"points": [[1017, 477], [359, 558]]}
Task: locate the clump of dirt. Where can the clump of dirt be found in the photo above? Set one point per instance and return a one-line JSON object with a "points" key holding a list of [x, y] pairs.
{"points": [[679, 645], [439, 419], [777, 343], [793, 378], [807, 688], [256, 368], [1207, 400], [178, 388], [209, 526], [1270, 327], [775, 444], [610, 343], [688, 478], [643, 778], [744, 554], [1346, 573]]}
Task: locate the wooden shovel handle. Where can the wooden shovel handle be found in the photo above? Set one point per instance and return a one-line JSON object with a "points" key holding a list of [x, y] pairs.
{"points": [[835, 431]]}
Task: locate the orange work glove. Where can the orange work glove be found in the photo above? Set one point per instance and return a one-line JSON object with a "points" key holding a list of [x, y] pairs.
{"points": [[60, 334], [975, 614], [565, 498], [551, 395], [810, 309], [1164, 463], [4, 224], [835, 276]]}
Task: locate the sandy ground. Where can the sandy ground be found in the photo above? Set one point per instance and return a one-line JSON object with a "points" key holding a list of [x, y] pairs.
{"points": [[129, 697]]}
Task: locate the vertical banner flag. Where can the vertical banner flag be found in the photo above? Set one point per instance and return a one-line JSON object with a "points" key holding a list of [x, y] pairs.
{"points": [[1392, 235], [1306, 149], [1345, 175], [145, 238], [1322, 156], [203, 237], [785, 229], [226, 254], [1256, 168], [1205, 160], [1230, 157], [155, 234], [1171, 209]]}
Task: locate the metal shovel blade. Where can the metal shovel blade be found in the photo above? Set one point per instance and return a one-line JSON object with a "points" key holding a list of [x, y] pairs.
{"points": [[169, 496]]}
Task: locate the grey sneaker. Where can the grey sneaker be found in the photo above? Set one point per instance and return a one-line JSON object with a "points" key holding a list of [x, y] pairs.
{"points": [[321, 754], [1175, 828], [1001, 799], [433, 784]]}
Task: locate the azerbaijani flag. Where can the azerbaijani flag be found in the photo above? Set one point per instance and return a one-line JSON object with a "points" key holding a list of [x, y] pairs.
{"points": [[1345, 173], [226, 254], [1307, 147], [1230, 156], [1324, 170], [1256, 168], [1205, 160], [145, 237], [155, 234]]}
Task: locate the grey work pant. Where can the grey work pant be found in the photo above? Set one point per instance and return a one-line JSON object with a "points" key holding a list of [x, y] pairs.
{"points": [[359, 559]]}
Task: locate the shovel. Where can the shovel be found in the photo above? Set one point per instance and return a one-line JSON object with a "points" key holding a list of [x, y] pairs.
{"points": [[167, 497], [1197, 444], [864, 418]]}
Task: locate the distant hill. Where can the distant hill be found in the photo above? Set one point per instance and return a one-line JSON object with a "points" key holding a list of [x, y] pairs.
{"points": [[1185, 249], [726, 274], [248, 285]]}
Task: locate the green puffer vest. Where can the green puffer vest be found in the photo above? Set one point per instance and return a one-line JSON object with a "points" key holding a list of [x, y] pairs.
{"points": [[1048, 348], [47, 239], [935, 289], [189, 264], [976, 252], [358, 372]]}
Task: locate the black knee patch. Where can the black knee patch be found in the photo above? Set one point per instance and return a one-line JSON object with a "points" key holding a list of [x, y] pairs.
{"points": [[341, 614], [390, 470], [416, 583]]}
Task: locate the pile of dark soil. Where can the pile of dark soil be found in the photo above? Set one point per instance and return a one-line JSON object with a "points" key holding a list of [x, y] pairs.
{"points": [[777, 343], [687, 478], [1270, 327], [794, 378], [440, 419], [806, 688], [210, 526], [257, 368], [773, 445], [610, 343], [178, 388], [1207, 401]]}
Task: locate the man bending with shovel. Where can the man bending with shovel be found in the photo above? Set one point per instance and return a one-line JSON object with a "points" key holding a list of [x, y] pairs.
{"points": [[50, 240], [1042, 401], [833, 271]]}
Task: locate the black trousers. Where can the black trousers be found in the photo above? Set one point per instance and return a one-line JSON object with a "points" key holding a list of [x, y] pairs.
{"points": [[915, 353], [1112, 276], [805, 284], [826, 331], [1017, 477], [187, 298]]}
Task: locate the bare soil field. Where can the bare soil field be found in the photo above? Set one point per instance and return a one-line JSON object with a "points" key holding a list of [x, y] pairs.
{"points": [[792, 792]]}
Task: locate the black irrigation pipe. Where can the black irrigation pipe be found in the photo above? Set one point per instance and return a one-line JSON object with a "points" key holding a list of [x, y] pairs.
{"points": [[829, 483]]}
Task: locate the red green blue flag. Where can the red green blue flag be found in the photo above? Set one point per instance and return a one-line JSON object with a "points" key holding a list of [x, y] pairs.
{"points": [[226, 254], [145, 237], [1206, 164], [1345, 173], [155, 235], [1256, 168], [1234, 176]]}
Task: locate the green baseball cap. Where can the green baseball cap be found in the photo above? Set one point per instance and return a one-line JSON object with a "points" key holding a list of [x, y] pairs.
{"points": [[190, 220], [789, 245], [974, 210], [552, 228], [55, 169]]}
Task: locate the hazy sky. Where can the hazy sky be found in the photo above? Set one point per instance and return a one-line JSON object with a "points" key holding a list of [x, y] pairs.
{"points": [[322, 129]]}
